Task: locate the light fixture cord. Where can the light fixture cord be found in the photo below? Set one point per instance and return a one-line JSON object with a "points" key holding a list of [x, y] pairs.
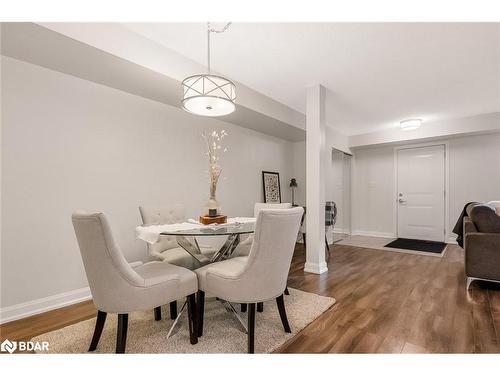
{"points": [[213, 30]]}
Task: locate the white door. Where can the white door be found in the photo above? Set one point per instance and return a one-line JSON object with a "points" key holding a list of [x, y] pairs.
{"points": [[421, 193]]}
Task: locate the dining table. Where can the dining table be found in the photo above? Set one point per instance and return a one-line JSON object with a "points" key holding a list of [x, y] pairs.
{"points": [[187, 235], [188, 239]]}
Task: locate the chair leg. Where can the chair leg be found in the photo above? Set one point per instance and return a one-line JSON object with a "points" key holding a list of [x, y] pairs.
{"points": [[173, 310], [193, 333], [304, 240], [327, 246], [99, 325], [201, 312], [260, 306], [251, 328], [121, 337], [157, 311], [281, 308], [287, 292], [243, 307]]}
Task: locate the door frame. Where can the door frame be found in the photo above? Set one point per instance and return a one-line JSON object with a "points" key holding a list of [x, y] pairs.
{"points": [[446, 144]]}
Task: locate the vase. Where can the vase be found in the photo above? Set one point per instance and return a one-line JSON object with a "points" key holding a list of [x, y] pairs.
{"points": [[212, 206]]}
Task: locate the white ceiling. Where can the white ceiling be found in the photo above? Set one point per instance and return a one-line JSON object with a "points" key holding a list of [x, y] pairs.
{"points": [[376, 74]]}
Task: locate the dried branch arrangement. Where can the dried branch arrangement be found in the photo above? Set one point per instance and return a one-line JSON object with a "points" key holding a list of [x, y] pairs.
{"points": [[214, 150]]}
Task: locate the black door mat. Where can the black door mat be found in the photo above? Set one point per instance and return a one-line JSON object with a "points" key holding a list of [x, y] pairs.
{"points": [[418, 245]]}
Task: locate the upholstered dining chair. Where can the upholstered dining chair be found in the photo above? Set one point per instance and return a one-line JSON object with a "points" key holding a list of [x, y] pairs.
{"points": [[167, 249], [119, 288], [243, 248], [260, 276]]}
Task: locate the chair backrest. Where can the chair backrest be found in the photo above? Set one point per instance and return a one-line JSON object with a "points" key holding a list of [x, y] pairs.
{"points": [[162, 215], [330, 213], [269, 206], [271, 252], [106, 268]]}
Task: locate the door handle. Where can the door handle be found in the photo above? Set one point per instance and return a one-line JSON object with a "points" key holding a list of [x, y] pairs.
{"points": [[401, 200]]}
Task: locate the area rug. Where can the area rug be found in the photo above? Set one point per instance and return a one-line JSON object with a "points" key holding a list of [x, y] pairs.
{"points": [[221, 333]]}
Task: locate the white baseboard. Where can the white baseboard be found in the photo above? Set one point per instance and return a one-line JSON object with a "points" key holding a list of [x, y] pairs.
{"points": [[373, 234], [339, 231], [452, 239], [25, 309]]}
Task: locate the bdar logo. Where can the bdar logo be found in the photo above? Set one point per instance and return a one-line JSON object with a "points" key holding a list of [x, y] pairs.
{"points": [[8, 346]]}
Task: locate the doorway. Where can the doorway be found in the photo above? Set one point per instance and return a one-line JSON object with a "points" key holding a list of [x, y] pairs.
{"points": [[421, 193], [339, 191]]}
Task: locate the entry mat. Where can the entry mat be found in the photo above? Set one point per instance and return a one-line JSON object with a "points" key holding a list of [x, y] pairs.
{"points": [[418, 245]]}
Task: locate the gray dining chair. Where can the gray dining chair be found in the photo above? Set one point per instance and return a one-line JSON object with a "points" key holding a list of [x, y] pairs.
{"points": [[260, 276], [119, 288], [167, 249]]}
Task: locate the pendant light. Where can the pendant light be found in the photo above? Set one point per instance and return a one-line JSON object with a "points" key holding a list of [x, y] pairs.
{"points": [[209, 94]]}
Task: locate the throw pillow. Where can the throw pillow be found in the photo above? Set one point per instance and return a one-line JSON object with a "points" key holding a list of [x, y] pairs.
{"points": [[485, 218]]}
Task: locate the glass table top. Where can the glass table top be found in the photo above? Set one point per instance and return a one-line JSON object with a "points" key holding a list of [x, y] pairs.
{"points": [[214, 230]]}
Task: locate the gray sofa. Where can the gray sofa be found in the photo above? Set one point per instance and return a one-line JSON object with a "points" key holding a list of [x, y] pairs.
{"points": [[482, 243]]}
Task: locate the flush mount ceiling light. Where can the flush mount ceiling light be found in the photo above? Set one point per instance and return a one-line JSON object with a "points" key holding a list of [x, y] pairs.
{"points": [[410, 124], [209, 94]]}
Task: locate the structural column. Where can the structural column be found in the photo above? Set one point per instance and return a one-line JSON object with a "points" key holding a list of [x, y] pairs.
{"points": [[315, 180]]}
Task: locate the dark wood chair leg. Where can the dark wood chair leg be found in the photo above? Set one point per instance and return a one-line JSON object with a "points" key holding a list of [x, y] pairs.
{"points": [[243, 307], [327, 246], [157, 313], [260, 306], [281, 308], [173, 310], [251, 328], [99, 325], [200, 313], [287, 292], [304, 240], [193, 333], [121, 337]]}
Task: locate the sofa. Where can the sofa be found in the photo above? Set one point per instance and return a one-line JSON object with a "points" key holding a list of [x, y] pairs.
{"points": [[481, 229]]}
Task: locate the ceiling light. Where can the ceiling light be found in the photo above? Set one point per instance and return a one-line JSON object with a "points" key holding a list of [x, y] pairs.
{"points": [[209, 94], [411, 124]]}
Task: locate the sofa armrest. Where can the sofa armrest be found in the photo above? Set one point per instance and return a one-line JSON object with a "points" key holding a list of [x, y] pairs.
{"points": [[482, 255], [469, 226]]}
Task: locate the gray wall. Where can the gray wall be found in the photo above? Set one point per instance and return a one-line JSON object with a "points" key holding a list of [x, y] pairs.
{"points": [[69, 144]]}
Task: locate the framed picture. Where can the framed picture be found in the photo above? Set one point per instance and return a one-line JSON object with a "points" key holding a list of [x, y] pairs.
{"points": [[271, 184]]}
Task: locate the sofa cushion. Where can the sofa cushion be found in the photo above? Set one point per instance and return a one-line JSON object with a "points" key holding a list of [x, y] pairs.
{"points": [[485, 218], [470, 206], [495, 204]]}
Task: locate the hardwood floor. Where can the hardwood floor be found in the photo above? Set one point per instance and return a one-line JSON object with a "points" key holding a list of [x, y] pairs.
{"points": [[387, 302], [390, 302]]}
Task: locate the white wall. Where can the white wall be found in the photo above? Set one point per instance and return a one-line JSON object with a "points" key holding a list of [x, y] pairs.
{"points": [[372, 191], [69, 144], [334, 139], [474, 175], [335, 185], [474, 171], [299, 171]]}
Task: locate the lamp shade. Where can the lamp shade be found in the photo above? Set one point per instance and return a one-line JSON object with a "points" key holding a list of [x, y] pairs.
{"points": [[208, 95], [293, 182]]}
